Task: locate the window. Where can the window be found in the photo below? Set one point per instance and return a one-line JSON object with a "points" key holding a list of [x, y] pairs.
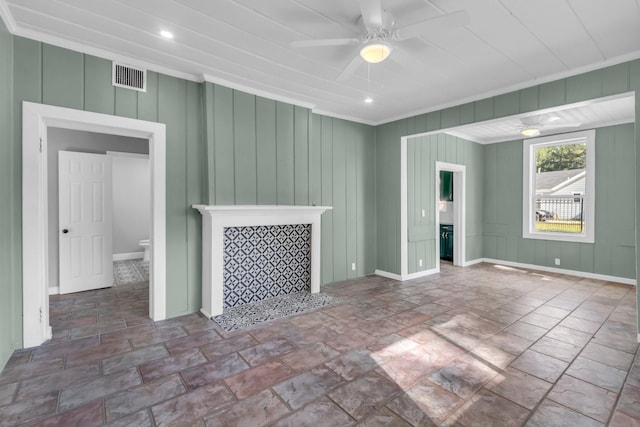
{"points": [[559, 182]]}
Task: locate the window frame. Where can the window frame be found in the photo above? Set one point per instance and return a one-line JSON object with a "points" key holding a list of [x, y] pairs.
{"points": [[529, 191]]}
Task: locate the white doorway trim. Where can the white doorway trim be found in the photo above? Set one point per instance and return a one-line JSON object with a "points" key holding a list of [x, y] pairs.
{"points": [[459, 217], [36, 118], [459, 213]]}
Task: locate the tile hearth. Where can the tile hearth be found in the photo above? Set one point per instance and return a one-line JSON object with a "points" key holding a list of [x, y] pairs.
{"points": [[483, 345]]}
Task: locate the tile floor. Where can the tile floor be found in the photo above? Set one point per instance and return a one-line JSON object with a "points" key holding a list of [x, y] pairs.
{"points": [[480, 346]]}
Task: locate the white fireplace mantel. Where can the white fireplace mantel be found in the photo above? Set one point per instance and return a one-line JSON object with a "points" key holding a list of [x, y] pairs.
{"points": [[215, 218]]}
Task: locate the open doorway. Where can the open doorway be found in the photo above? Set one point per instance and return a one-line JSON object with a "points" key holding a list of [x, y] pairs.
{"points": [[129, 207], [450, 213], [37, 119]]}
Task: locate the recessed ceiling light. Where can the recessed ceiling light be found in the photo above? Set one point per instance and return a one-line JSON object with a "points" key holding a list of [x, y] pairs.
{"points": [[368, 100], [166, 34]]}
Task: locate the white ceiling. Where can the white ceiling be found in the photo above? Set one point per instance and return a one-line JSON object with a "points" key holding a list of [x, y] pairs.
{"points": [[507, 44], [590, 114]]}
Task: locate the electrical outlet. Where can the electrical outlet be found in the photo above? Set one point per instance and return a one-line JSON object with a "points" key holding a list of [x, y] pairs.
{"points": [[419, 263], [557, 261], [353, 266]]}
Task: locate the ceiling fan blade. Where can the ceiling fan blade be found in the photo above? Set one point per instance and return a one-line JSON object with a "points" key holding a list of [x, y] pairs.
{"points": [[323, 42], [440, 23], [562, 125], [408, 61], [371, 13], [350, 69]]}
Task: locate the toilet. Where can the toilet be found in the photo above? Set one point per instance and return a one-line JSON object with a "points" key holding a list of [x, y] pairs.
{"points": [[145, 244]]}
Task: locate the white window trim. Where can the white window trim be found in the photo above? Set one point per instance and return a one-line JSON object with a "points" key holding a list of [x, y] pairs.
{"points": [[529, 193]]}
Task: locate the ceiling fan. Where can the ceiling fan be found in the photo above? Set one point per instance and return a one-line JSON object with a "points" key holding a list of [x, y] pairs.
{"points": [[532, 126], [379, 37]]}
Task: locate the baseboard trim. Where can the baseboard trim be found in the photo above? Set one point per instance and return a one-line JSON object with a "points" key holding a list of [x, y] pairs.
{"points": [[54, 290], [406, 277], [128, 255], [576, 273], [473, 262], [388, 275]]}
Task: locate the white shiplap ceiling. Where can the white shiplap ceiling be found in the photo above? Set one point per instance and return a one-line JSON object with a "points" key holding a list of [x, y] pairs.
{"points": [[507, 44], [594, 113]]}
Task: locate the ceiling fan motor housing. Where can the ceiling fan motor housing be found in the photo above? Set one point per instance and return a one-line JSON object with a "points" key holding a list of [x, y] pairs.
{"points": [[384, 32]]}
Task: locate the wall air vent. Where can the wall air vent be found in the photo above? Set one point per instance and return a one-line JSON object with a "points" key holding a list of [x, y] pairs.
{"points": [[129, 77]]}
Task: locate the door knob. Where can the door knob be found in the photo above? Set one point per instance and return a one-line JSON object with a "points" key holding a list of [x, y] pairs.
{"points": [[65, 230]]}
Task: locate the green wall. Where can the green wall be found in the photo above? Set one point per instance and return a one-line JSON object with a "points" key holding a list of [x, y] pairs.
{"points": [[603, 82], [55, 76], [10, 266], [422, 154], [223, 147], [272, 153], [613, 252]]}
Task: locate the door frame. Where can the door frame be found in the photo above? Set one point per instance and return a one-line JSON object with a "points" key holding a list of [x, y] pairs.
{"points": [[459, 237], [459, 217], [36, 118]]}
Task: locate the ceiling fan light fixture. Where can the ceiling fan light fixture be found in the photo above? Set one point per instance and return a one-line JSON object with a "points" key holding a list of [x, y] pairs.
{"points": [[375, 51], [529, 132]]}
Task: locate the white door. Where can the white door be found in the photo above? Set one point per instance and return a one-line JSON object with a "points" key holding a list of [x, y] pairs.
{"points": [[85, 196]]}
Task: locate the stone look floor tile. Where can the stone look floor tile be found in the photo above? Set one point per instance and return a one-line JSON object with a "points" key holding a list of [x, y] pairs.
{"points": [[607, 355], [213, 371], [361, 396], [139, 419], [629, 402], [386, 337], [568, 335], [486, 409], [31, 369], [354, 363], [597, 373], [228, 346], [172, 364], [557, 349], [133, 358], [542, 366], [88, 415], [258, 378], [263, 352], [58, 380], [425, 404], [183, 344], [98, 388], [583, 397], [7, 392], [309, 356], [20, 412], [191, 407], [550, 413], [510, 343], [526, 330], [463, 376], [134, 399], [307, 387], [519, 387], [320, 413], [382, 418], [256, 411]]}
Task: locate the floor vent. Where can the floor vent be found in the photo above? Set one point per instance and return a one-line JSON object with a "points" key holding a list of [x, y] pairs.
{"points": [[129, 77]]}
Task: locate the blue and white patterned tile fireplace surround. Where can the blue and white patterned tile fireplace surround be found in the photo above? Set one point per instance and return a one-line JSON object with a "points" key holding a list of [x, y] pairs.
{"points": [[250, 253]]}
